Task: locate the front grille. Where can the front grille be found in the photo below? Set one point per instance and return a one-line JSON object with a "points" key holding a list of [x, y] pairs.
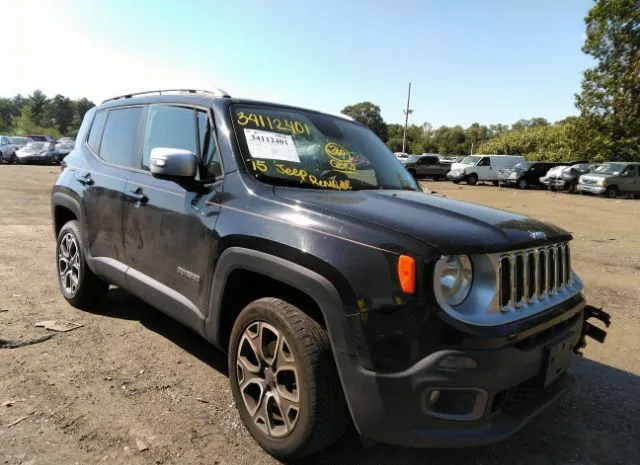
{"points": [[587, 181], [529, 275]]}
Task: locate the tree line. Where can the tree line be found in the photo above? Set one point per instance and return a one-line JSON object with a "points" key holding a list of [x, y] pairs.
{"points": [[38, 114], [608, 124]]}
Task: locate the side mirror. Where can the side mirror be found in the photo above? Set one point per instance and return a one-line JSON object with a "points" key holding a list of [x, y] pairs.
{"points": [[165, 161]]}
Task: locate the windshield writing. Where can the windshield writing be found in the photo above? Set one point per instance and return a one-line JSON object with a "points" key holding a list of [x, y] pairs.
{"points": [[307, 149]]}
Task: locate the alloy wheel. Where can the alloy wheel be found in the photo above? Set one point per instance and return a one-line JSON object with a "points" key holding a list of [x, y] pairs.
{"points": [[69, 264], [267, 377]]}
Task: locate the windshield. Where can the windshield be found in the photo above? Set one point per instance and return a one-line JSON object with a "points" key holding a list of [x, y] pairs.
{"points": [[523, 166], [412, 158], [610, 168], [35, 145], [470, 160], [306, 149]]}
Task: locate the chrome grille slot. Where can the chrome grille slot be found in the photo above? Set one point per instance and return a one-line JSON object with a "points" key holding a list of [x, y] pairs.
{"points": [[528, 276]]}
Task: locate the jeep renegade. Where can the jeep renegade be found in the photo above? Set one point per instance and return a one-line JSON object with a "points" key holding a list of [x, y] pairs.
{"points": [[296, 242]]}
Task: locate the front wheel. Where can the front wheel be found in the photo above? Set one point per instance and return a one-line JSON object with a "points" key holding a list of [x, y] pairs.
{"points": [[79, 286], [523, 184], [611, 192], [284, 380], [472, 179], [573, 188]]}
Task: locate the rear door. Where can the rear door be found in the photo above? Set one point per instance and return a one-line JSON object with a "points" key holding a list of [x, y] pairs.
{"points": [[111, 141], [169, 223]]}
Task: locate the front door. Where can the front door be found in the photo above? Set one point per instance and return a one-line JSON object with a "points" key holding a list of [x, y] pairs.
{"points": [[627, 179], [169, 232], [484, 170]]}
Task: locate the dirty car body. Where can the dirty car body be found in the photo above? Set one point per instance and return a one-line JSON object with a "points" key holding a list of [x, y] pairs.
{"points": [[465, 354]]}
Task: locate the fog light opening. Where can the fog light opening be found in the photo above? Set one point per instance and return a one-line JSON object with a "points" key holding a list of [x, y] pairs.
{"points": [[434, 397]]}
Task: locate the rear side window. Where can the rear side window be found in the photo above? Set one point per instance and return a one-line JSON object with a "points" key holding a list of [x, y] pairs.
{"points": [[119, 136], [96, 129]]}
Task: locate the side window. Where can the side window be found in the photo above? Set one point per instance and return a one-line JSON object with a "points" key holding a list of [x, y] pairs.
{"points": [[93, 140], [210, 156], [4, 141], [171, 127], [119, 136], [486, 161]]}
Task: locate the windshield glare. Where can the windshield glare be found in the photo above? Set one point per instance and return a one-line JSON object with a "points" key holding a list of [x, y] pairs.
{"points": [[610, 168], [522, 166], [470, 160], [35, 145], [306, 149]]}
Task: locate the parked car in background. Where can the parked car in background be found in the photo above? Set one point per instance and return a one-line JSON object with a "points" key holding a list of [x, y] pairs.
{"points": [[64, 146], [20, 141], [7, 150], [476, 168], [401, 155], [37, 152], [40, 138], [526, 174], [548, 180], [429, 166], [612, 179], [568, 179]]}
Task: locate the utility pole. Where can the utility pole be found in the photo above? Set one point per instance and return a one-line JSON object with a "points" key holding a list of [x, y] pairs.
{"points": [[406, 119], [471, 149]]}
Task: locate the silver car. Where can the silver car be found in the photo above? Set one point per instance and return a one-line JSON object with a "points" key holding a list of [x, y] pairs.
{"points": [[65, 145], [7, 150]]}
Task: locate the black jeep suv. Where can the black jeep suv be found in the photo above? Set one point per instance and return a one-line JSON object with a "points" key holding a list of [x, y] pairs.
{"points": [[296, 242]]}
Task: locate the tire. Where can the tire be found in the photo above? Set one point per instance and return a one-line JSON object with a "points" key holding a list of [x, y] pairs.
{"points": [[456, 182], [495, 183], [611, 192], [472, 179], [573, 188], [81, 288], [413, 173], [523, 184], [322, 415]]}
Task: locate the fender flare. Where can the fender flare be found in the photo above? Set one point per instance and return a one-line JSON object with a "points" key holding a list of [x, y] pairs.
{"points": [[316, 286], [60, 199]]}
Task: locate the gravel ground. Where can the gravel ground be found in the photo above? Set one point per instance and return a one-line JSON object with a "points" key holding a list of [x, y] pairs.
{"points": [[132, 386]]}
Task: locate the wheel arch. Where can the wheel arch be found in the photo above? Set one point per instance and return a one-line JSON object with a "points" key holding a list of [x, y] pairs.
{"points": [[64, 208], [309, 288]]}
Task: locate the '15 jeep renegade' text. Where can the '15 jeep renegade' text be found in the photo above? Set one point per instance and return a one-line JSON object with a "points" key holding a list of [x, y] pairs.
{"points": [[296, 242]]}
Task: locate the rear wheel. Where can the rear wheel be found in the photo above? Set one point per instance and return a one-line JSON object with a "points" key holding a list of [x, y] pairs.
{"points": [[284, 380], [79, 286], [611, 192], [472, 179]]}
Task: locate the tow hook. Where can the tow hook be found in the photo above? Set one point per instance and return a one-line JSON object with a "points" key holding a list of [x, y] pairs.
{"points": [[590, 330]]}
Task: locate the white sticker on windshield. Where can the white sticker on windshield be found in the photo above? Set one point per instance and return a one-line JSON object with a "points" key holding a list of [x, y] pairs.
{"points": [[271, 145]]}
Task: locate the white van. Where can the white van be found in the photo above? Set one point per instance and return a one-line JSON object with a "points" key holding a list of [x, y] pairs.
{"points": [[476, 168]]}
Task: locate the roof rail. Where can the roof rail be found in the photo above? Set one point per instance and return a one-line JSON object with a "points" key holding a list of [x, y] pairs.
{"points": [[342, 115], [214, 92]]}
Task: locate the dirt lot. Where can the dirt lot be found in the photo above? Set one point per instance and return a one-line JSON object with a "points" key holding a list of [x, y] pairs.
{"points": [[131, 377]]}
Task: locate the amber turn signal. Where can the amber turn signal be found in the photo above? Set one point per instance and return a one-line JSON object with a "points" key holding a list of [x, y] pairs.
{"points": [[407, 274]]}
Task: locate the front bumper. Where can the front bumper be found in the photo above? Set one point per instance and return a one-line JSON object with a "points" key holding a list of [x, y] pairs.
{"points": [[456, 176], [591, 189], [35, 159], [510, 385]]}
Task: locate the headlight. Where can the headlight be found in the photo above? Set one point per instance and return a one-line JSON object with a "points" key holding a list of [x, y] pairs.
{"points": [[454, 276], [601, 182], [513, 175]]}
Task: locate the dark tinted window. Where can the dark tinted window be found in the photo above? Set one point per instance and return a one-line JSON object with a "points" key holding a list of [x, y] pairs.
{"points": [[486, 161], [96, 129], [210, 157], [170, 127], [119, 136]]}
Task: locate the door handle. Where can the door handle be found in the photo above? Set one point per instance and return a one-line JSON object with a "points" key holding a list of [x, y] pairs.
{"points": [[86, 180], [137, 196]]}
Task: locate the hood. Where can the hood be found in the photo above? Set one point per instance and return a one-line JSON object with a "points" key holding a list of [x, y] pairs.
{"points": [[459, 166], [594, 177], [450, 226]]}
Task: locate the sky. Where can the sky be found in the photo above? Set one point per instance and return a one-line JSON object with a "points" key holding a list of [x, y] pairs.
{"points": [[490, 61]]}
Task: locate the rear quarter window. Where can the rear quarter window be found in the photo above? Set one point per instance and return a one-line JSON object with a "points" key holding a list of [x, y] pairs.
{"points": [[93, 141]]}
